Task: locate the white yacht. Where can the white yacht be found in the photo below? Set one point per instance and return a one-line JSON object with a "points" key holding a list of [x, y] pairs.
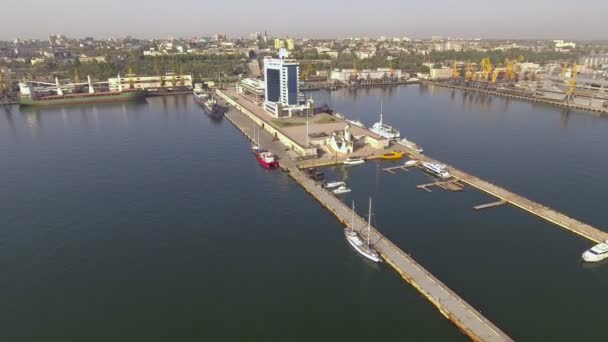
{"points": [[411, 162], [412, 145], [383, 129], [596, 253], [361, 246], [354, 161], [332, 185], [439, 170], [341, 190]]}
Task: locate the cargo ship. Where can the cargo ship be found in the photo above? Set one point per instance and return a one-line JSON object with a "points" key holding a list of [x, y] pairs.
{"points": [[29, 99]]}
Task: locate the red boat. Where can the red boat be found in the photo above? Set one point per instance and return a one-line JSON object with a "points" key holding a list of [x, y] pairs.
{"points": [[267, 159]]}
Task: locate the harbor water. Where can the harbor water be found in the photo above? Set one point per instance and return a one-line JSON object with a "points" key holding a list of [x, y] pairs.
{"points": [[152, 222]]}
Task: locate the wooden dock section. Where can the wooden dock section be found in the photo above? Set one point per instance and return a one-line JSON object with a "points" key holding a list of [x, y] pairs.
{"points": [[451, 185], [457, 310], [489, 205], [400, 167]]}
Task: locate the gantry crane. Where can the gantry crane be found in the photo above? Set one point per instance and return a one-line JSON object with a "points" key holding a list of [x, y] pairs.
{"points": [[469, 72], [1, 83], [391, 71], [306, 73], [571, 84], [486, 68], [131, 79], [510, 69], [455, 73]]}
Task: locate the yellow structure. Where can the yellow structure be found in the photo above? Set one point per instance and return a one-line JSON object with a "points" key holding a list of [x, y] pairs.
{"points": [[572, 84], [290, 43], [469, 72], [510, 69], [486, 67], [279, 43], [564, 69], [455, 71], [1, 83], [392, 156]]}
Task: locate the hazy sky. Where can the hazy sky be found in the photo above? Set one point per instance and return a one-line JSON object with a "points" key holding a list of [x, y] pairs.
{"points": [[580, 19]]}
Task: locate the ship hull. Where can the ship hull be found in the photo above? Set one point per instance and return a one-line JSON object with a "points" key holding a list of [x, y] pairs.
{"points": [[106, 97]]}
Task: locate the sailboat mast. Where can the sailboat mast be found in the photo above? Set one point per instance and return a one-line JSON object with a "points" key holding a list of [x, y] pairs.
{"points": [[369, 221]]}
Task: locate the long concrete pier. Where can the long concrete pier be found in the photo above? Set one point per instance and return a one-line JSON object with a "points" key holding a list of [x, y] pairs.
{"points": [[470, 321], [601, 111], [544, 212]]}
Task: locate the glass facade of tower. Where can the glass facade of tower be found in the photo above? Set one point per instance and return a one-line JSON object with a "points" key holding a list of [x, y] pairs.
{"points": [[292, 84], [273, 85]]}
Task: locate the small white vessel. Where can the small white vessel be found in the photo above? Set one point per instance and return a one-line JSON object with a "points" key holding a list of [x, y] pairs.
{"points": [[356, 123], [596, 253], [341, 190], [383, 129], [439, 170], [354, 161], [412, 145], [363, 247], [331, 185], [411, 162]]}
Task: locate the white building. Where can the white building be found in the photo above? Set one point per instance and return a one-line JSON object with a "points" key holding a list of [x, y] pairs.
{"points": [[282, 87], [560, 44], [252, 89], [441, 73], [345, 75], [151, 83]]}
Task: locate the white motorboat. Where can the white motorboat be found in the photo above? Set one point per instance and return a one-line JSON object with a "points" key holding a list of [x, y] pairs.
{"points": [[354, 161], [436, 169], [363, 247], [411, 162], [596, 253], [332, 185], [341, 190], [383, 129], [411, 145], [356, 123]]}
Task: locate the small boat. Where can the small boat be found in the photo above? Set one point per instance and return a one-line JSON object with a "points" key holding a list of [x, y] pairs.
{"points": [[363, 247], [392, 156], [354, 161], [411, 162], [341, 190], [331, 185], [383, 129], [436, 169], [267, 160], [596, 253], [412, 145], [356, 123]]}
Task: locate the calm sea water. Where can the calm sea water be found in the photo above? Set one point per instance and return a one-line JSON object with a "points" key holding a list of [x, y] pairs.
{"points": [[152, 222]]}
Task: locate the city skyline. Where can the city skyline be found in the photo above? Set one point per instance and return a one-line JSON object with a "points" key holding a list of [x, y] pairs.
{"points": [[338, 19]]}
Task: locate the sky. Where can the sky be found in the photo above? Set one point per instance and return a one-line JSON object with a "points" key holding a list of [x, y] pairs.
{"points": [[511, 19]]}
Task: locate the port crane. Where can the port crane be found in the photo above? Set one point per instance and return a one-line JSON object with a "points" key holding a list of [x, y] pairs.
{"points": [[2, 86], [571, 84], [455, 73], [486, 68]]}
